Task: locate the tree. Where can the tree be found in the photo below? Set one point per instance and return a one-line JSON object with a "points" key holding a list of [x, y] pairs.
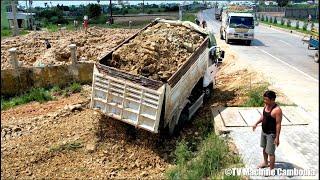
{"points": [[282, 3], [94, 10]]}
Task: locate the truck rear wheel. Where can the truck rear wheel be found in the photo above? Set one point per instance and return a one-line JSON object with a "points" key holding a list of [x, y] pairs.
{"points": [[227, 40], [183, 118], [221, 35]]}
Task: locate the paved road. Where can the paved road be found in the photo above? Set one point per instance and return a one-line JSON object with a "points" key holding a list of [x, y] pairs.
{"points": [[284, 60], [288, 65], [284, 46]]}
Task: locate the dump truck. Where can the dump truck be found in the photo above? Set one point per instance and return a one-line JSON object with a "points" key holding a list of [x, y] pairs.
{"points": [[218, 13], [156, 105], [237, 24]]}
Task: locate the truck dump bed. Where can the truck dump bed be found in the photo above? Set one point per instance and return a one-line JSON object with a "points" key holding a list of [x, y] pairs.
{"points": [[134, 98]]}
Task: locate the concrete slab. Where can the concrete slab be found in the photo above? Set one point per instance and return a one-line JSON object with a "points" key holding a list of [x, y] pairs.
{"points": [[250, 115], [232, 118], [298, 147], [284, 122], [295, 115]]}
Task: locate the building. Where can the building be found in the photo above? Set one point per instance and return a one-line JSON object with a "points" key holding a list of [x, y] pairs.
{"points": [[24, 19]]}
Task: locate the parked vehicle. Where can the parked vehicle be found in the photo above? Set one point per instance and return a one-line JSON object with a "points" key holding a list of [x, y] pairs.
{"points": [[218, 13], [237, 25], [155, 105]]}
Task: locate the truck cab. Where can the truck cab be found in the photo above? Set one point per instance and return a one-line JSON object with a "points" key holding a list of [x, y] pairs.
{"points": [[237, 26]]}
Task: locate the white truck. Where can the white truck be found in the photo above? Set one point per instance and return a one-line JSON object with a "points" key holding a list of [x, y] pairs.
{"points": [[155, 105], [237, 26]]}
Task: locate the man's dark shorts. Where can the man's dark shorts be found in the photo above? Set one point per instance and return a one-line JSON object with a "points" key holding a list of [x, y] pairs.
{"points": [[267, 142]]}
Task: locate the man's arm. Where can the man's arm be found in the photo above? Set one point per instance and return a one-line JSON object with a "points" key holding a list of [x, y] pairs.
{"points": [[258, 122], [278, 126]]}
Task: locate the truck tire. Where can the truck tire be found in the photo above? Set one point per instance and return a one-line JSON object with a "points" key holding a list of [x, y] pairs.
{"points": [[183, 118], [227, 40], [207, 92], [316, 57], [221, 34]]}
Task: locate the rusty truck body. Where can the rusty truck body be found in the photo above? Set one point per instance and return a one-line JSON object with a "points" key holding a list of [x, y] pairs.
{"points": [[155, 105]]}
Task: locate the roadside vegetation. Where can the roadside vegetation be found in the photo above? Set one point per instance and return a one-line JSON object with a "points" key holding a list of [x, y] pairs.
{"points": [[39, 95], [208, 162], [254, 96], [188, 16], [286, 26], [203, 155], [67, 146]]}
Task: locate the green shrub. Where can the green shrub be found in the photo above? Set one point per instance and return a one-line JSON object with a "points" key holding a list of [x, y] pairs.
{"points": [[305, 25], [282, 21], [262, 18], [213, 156], [188, 17], [255, 98], [6, 32], [182, 153], [74, 88], [35, 94], [68, 146]]}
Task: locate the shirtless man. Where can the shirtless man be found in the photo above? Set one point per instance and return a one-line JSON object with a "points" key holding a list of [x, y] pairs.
{"points": [[271, 127]]}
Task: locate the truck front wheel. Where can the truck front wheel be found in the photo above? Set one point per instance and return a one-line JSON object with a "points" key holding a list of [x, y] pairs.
{"points": [[207, 92], [316, 57]]}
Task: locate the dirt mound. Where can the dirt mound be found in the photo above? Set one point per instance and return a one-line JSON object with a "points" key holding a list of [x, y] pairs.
{"points": [[158, 51], [32, 50], [56, 141]]}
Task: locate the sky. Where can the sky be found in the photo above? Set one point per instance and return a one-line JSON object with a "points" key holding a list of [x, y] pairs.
{"points": [[102, 2]]}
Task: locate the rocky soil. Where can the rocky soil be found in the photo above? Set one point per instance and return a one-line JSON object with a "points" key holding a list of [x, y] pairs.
{"points": [[32, 50], [157, 52], [66, 139]]}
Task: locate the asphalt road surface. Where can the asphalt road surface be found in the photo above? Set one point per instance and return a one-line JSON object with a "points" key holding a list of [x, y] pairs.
{"points": [[283, 58], [273, 45]]}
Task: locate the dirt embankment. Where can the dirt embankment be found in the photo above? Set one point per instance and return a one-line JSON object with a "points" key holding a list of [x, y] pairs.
{"points": [[65, 139], [32, 50]]}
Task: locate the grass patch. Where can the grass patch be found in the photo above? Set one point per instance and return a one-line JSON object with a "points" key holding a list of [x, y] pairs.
{"points": [[289, 28], [68, 146], [188, 17], [8, 32], [40, 95], [255, 95], [124, 25], [213, 156], [36, 94], [52, 27]]}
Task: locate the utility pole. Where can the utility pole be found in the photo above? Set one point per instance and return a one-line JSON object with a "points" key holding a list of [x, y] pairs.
{"points": [[111, 19], [30, 13], [15, 21], [143, 6]]}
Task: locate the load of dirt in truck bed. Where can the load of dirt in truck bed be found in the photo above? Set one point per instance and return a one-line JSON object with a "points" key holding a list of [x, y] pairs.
{"points": [[33, 52], [158, 51]]}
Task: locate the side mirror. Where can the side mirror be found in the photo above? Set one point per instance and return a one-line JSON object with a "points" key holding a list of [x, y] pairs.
{"points": [[222, 54]]}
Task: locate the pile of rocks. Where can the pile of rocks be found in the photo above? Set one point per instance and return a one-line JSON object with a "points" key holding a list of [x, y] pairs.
{"points": [[32, 50], [157, 52]]}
